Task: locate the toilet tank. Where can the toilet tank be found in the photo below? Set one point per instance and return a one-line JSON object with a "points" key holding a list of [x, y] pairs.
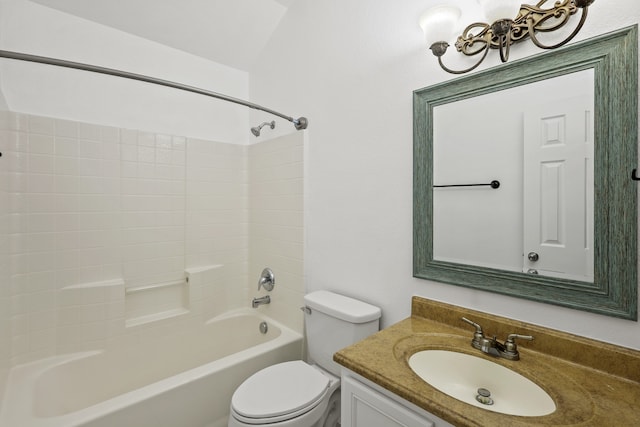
{"points": [[334, 321]]}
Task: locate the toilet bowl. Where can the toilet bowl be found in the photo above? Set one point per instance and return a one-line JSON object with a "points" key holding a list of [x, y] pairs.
{"points": [[300, 394], [289, 394]]}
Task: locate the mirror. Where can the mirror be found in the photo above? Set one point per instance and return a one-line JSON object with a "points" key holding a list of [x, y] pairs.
{"points": [[453, 240], [541, 147]]}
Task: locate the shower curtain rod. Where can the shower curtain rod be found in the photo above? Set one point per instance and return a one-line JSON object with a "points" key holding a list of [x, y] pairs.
{"points": [[299, 123]]}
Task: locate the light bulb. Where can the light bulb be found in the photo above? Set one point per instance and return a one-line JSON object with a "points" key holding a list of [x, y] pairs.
{"points": [[439, 23], [500, 9]]}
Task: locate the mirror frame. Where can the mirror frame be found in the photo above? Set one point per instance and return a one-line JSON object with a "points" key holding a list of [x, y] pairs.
{"points": [[614, 291]]}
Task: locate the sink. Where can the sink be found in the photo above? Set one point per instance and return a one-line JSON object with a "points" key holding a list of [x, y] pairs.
{"points": [[481, 383]]}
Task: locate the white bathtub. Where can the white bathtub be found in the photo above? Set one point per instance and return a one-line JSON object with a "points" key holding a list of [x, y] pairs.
{"points": [[186, 381]]}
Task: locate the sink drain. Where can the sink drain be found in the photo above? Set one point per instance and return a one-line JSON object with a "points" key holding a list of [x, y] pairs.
{"points": [[484, 396]]}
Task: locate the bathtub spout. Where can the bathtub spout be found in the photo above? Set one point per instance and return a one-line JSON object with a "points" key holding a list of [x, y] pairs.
{"points": [[260, 301]]}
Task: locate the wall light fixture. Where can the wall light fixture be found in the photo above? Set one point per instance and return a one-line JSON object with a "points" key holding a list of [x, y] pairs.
{"points": [[438, 24]]}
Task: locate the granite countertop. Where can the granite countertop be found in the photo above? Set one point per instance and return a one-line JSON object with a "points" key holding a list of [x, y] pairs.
{"points": [[592, 383]]}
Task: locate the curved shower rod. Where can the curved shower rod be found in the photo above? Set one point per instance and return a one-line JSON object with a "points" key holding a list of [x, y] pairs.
{"points": [[299, 123]]}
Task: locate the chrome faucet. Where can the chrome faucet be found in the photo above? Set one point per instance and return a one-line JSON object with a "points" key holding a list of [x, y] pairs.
{"points": [[491, 346], [267, 280], [256, 302]]}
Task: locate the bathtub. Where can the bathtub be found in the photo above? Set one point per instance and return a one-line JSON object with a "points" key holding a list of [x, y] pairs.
{"points": [[185, 381]]}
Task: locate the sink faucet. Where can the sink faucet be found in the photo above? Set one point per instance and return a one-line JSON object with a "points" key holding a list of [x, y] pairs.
{"points": [[260, 301], [491, 346]]}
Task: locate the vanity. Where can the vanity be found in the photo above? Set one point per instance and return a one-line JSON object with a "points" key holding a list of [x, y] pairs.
{"points": [[591, 383]]}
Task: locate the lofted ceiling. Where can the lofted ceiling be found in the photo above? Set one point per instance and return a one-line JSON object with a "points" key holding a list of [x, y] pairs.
{"points": [[230, 32]]}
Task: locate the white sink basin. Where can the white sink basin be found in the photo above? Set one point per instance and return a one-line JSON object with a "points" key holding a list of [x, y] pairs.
{"points": [[461, 376]]}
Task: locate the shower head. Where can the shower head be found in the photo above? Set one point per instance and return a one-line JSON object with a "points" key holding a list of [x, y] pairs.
{"points": [[256, 130]]}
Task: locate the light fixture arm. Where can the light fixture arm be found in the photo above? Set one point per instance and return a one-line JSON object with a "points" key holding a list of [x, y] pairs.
{"points": [[502, 29], [534, 38], [441, 52]]}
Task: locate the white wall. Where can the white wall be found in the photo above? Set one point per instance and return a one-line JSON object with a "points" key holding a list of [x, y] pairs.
{"points": [[350, 67], [3, 102], [92, 98]]}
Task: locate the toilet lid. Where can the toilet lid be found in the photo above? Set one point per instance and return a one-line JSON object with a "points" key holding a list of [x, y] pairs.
{"points": [[279, 390]]}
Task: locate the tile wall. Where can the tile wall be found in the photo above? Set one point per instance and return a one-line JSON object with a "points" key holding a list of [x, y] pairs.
{"points": [[94, 214], [276, 203], [152, 207], [5, 341], [217, 215]]}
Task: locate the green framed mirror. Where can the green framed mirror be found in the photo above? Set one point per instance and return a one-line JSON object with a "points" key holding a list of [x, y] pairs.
{"points": [[609, 233]]}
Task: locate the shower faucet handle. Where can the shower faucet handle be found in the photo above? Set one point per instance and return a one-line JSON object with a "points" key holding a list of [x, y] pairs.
{"points": [[267, 280]]}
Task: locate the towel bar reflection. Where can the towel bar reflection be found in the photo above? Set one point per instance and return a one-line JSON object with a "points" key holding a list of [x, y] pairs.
{"points": [[493, 184]]}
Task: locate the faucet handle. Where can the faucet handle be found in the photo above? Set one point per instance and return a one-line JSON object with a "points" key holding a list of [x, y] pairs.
{"points": [[512, 337], [479, 334], [510, 346], [267, 280], [474, 324]]}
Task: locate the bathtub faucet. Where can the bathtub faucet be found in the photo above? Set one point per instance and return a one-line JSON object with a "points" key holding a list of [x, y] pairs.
{"points": [[260, 301]]}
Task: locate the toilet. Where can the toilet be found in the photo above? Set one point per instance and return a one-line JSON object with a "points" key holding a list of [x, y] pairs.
{"points": [[300, 394]]}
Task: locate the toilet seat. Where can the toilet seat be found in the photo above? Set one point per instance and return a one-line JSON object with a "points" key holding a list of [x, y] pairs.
{"points": [[279, 393]]}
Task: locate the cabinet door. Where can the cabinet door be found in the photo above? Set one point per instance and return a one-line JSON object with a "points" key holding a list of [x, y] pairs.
{"points": [[364, 407]]}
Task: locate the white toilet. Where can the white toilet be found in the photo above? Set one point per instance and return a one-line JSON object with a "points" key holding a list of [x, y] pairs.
{"points": [[297, 394]]}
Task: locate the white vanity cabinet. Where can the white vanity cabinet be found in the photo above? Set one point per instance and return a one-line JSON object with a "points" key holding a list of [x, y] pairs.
{"points": [[365, 404]]}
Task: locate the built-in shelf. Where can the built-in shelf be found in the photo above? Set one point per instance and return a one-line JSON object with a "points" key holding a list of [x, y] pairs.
{"points": [[156, 301], [155, 317]]}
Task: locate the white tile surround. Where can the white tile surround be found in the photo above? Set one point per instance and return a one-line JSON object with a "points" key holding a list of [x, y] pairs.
{"points": [[5, 327], [276, 203], [94, 218]]}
